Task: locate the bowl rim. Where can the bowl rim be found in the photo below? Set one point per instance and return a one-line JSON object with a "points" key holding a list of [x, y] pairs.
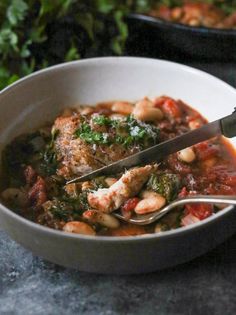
{"points": [[180, 26], [98, 238]]}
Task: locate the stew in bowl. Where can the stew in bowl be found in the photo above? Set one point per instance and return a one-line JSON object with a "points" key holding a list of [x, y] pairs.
{"points": [[38, 165]]}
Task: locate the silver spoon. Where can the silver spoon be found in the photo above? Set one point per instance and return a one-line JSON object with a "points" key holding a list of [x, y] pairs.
{"points": [[145, 219]]}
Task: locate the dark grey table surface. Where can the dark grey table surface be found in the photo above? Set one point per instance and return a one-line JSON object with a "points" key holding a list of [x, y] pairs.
{"points": [[207, 285]]}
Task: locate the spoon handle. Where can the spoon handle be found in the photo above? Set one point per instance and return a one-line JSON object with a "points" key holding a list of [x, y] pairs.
{"points": [[205, 199], [194, 199]]}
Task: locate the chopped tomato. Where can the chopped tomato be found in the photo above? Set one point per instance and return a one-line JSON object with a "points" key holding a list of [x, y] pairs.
{"points": [[205, 150], [183, 193], [225, 190], [130, 204], [171, 108], [159, 101], [200, 211], [90, 215], [228, 178]]}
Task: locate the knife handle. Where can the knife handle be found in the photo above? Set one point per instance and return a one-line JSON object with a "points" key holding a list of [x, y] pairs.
{"points": [[228, 125]]}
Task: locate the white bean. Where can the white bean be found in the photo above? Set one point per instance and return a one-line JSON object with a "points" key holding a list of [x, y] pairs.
{"points": [[125, 108], [78, 228], [150, 204], [187, 155], [144, 103], [107, 220], [145, 111], [148, 194], [16, 196]]}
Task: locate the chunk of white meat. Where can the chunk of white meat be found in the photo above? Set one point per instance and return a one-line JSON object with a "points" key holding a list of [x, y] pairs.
{"points": [[129, 185]]}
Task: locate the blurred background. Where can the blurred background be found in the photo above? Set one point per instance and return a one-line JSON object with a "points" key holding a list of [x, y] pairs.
{"points": [[35, 34]]}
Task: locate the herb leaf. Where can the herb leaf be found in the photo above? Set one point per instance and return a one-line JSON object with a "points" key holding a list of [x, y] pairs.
{"points": [[88, 135]]}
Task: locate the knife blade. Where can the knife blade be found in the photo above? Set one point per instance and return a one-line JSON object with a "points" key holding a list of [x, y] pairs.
{"points": [[157, 152]]}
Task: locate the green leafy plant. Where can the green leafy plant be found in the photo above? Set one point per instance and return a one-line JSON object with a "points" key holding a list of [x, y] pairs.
{"points": [[38, 33]]}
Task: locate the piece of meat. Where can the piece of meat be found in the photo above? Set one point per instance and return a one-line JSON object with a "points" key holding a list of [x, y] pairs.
{"points": [[129, 185], [37, 194], [78, 157], [75, 156]]}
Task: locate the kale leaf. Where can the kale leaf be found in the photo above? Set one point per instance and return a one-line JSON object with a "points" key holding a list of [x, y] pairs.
{"points": [[49, 162], [165, 184]]}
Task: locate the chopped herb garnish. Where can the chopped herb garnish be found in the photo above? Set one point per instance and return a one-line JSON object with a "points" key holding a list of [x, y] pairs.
{"points": [[142, 133], [126, 132], [88, 135], [102, 120]]}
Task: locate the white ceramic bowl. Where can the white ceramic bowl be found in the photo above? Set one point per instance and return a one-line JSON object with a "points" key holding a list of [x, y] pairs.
{"points": [[38, 98]]}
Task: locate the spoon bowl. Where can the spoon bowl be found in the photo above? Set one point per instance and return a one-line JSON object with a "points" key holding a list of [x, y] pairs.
{"points": [[149, 218]]}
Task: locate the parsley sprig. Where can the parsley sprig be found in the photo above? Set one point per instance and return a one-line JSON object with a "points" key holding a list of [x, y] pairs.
{"points": [[88, 135]]}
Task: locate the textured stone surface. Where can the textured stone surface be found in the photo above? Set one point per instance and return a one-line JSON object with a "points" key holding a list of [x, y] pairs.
{"points": [[207, 285], [30, 285]]}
